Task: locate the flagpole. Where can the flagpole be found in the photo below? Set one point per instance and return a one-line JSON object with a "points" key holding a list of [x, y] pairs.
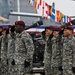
{"points": [[18, 3]]}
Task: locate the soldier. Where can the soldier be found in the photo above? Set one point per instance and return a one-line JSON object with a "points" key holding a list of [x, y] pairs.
{"points": [[11, 50], [4, 60], [68, 59], [0, 53], [48, 50], [56, 52], [24, 50], [1, 28]]}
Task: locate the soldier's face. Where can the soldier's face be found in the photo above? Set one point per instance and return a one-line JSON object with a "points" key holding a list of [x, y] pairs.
{"points": [[67, 32], [0, 29], [55, 33], [48, 32], [18, 28]]}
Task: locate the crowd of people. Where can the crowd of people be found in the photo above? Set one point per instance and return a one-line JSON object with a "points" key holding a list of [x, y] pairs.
{"points": [[17, 50]]}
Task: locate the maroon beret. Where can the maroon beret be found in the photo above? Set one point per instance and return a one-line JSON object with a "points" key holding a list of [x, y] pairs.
{"points": [[4, 29], [20, 22], [57, 29], [50, 27], [1, 27], [68, 27]]}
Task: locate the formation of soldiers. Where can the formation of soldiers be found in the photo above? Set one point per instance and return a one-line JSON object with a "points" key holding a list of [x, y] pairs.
{"points": [[59, 56], [17, 50]]}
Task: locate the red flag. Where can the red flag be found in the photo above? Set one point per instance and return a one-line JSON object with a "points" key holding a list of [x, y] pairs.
{"points": [[47, 10], [69, 20], [43, 10], [40, 3]]}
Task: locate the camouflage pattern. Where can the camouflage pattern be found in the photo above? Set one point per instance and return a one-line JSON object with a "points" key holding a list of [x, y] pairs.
{"points": [[55, 71], [47, 56], [0, 53], [68, 60], [67, 72], [56, 59], [4, 63], [10, 53], [24, 50]]}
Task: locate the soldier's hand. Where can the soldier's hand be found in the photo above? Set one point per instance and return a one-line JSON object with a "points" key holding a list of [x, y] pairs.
{"points": [[0, 59], [61, 32], [7, 31], [60, 68], [26, 64], [13, 62], [7, 61], [73, 69], [12, 28]]}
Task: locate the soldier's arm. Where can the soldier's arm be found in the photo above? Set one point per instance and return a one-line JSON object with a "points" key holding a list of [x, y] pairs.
{"points": [[29, 46], [73, 47]]}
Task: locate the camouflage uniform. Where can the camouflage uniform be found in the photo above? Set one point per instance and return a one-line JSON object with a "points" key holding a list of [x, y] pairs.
{"points": [[68, 60], [47, 57], [10, 51], [4, 61], [24, 50], [0, 54], [56, 59]]}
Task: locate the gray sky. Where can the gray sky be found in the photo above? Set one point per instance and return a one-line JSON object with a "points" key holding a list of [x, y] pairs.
{"points": [[67, 7]]}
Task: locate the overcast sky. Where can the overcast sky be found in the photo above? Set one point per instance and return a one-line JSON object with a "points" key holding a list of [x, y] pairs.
{"points": [[67, 7]]}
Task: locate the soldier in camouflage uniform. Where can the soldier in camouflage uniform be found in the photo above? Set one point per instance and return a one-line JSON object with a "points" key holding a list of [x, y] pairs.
{"points": [[68, 60], [1, 28], [56, 59], [4, 60], [48, 50], [11, 50], [0, 54], [24, 50]]}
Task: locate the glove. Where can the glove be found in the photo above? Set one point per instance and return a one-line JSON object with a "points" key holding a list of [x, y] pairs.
{"points": [[13, 62], [7, 31], [73, 69], [7, 61], [0, 59], [0, 33], [61, 32], [60, 68], [12, 28], [26, 64], [51, 36]]}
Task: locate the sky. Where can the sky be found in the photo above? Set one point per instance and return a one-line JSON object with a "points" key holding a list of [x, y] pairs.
{"points": [[67, 7]]}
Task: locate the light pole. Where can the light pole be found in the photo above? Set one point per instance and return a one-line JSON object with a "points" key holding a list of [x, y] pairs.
{"points": [[18, 3]]}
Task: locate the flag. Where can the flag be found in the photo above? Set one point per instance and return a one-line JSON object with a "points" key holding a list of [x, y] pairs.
{"points": [[58, 16], [37, 29], [61, 18], [39, 3], [40, 9], [46, 10], [35, 7], [43, 10], [28, 2], [53, 14], [69, 19], [31, 2], [50, 10], [65, 19]]}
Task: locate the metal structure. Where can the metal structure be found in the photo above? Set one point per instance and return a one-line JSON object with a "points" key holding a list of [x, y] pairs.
{"points": [[18, 9]]}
